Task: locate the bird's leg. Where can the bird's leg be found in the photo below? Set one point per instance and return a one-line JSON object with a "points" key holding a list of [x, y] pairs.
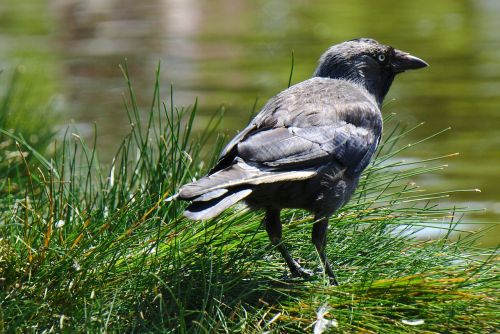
{"points": [[319, 231], [273, 228]]}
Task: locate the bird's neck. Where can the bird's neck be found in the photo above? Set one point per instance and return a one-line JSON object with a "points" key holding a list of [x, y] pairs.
{"points": [[377, 84], [378, 87]]}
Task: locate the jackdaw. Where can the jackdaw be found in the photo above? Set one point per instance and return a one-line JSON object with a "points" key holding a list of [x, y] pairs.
{"points": [[307, 146]]}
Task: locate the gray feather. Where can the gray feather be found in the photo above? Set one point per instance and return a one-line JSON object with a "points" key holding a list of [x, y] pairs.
{"points": [[313, 102], [206, 210], [302, 147], [239, 174], [211, 195], [306, 127]]}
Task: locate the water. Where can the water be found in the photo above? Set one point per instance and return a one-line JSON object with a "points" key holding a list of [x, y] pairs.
{"points": [[233, 51]]}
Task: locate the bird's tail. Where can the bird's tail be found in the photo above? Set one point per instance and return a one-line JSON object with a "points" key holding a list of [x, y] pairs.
{"points": [[214, 193], [203, 208]]}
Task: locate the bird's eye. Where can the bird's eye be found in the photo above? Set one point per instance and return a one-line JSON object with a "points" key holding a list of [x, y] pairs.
{"points": [[381, 57]]}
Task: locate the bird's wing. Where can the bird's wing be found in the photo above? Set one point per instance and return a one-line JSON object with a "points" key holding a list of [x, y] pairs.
{"points": [[288, 148], [229, 153], [287, 154], [316, 120]]}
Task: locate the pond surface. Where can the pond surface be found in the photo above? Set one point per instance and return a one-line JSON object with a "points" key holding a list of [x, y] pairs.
{"points": [[233, 52]]}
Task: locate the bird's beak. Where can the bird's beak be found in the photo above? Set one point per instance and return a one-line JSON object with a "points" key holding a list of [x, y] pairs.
{"points": [[403, 61]]}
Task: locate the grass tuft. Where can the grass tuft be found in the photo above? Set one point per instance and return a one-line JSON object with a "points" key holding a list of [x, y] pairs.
{"points": [[87, 247]]}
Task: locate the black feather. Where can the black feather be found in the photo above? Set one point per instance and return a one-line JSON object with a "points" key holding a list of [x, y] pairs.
{"points": [[308, 146]]}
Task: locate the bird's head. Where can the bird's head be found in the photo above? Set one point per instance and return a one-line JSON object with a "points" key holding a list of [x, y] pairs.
{"points": [[368, 63]]}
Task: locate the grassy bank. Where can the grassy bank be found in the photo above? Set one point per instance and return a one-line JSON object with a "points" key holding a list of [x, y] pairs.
{"points": [[89, 247]]}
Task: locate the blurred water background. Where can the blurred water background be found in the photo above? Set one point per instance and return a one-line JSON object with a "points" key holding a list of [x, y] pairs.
{"points": [[233, 52]]}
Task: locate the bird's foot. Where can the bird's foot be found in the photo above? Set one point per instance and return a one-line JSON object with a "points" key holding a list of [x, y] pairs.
{"points": [[301, 272], [332, 279]]}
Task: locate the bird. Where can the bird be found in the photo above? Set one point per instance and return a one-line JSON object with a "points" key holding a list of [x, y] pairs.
{"points": [[307, 147]]}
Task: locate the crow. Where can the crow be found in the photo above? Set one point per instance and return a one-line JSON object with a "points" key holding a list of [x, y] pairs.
{"points": [[308, 145]]}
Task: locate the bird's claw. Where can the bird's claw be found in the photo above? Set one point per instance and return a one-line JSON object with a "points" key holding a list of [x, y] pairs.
{"points": [[301, 272]]}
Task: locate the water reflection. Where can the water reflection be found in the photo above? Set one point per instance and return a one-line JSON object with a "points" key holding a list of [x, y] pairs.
{"points": [[233, 51]]}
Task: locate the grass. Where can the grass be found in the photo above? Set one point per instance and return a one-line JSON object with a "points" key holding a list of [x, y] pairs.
{"points": [[86, 247]]}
